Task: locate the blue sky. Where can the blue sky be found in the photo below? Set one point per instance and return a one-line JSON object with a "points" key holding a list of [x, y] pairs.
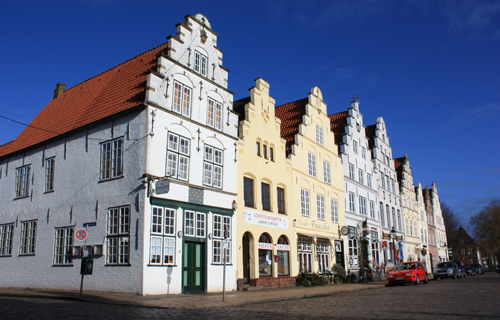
{"points": [[429, 67]]}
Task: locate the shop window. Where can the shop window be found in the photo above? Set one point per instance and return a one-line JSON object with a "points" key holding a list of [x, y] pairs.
{"points": [[304, 246], [323, 248], [284, 257], [265, 256]]}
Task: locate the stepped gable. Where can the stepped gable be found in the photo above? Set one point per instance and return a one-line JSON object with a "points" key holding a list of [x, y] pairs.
{"points": [[116, 90], [338, 121], [290, 115], [398, 166]]}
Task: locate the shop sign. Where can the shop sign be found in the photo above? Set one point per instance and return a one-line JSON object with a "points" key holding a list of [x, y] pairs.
{"points": [[283, 247], [265, 246], [265, 219], [384, 245], [318, 225]]}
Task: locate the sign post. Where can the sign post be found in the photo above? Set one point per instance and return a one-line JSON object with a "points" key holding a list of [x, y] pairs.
{"points": [[87, 263]]}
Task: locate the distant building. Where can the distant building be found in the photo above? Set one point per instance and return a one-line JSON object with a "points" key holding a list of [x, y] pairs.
{"points": [[423, 250], [438, 248], [465, 248]]}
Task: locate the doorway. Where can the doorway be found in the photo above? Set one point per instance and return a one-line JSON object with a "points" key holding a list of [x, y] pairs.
{"points": [[193, 267], [246, 258]]}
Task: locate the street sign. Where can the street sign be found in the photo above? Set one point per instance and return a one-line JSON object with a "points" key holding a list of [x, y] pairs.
{"points": [[162, 187], [89, 224], [81, 234], [226, 243]]}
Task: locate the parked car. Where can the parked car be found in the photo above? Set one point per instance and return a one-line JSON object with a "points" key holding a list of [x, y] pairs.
{"points": [[446, 270], [470, 270], [461, 267], [478, 267], [407, 272]]}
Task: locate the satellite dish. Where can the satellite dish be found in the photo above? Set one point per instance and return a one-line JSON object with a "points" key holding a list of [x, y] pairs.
{"points": [[344, 230]]}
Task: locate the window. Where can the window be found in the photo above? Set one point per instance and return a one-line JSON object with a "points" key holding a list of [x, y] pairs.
{"points": [[361, 176], [382, 179], [375, 255], [281, 200], [162, 236], [265, 256], [393, 186], [319, 134], [221, 223], [182, 99], [212, 167], [463, 251], [362, 206], [326, 172], [271, 153], [266, 197], [194, 224], [214, 117], [200, 63], [304, 245], [335, 211], [351, 171], [382, 214], [118, 237], [6, 234], [387, 210], [283, 250], [372, 209], [394, 218], [248, 192], [399, 219], [28, 236], [264, 150], [388, 185], [352, 206], [312, 164], [353, 251], [369, 180], [355, 146], [258, 148], [323, 246], [111, 159], [22, 181], [63, 247], [363, 152], [49, 174], [321, 206], [304, 202], [178, 150]]}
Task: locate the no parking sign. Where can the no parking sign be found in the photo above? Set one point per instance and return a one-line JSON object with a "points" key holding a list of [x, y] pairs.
{"points": [[81, 234]]}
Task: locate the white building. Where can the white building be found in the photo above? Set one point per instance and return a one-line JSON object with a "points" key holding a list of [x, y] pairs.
{"points": [[361, 191], [93, 159], [391, 219], [423, 252]]}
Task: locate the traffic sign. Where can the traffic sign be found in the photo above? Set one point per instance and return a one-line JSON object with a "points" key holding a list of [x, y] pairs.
{"points": [[81, 234]]}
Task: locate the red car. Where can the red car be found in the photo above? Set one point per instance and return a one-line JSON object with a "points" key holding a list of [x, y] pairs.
{"points": [[410, 271]]}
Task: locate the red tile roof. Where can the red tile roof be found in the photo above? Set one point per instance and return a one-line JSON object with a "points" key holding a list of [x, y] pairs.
{"points": [[113, 91], [337, 125], [291, 117]]}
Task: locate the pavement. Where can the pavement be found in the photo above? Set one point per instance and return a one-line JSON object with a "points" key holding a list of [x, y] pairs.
{"points": [[195, 300]]}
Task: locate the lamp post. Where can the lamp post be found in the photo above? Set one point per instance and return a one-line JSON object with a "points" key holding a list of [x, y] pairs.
{"points": [[393, 235]]}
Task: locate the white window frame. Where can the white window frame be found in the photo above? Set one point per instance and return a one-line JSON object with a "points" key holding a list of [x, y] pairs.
{"points": [[363, 152], [22, 187], [355, 146], [200, 63], [162, 247], [6, 235], [118, 236], [213, 159], [351, 171], [319, 134], [311, 160], [111, 159], [178, 156], [304, 202], [372, 209], [361, 176], [323, 249], [28, 237], [181, 102], [369, 180], [220, 223], [362, 206], [195, 224], [214, 114], [327, 172], [321, 206], [352, 202], [63, 246], [335, 211], [49, 174]]}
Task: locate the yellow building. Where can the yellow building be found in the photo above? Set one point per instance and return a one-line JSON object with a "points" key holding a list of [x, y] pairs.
{"points": [[317, 182], [266, 239]]}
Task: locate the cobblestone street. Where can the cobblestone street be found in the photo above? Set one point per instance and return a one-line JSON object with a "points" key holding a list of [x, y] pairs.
{"points": [[470, 298]]}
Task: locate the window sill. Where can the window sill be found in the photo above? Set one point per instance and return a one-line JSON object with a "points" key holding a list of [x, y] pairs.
{"points": [[50, 191], [62, 265], [221, 264], [6, 256], [26, 255], [161, 265], [118, 265], [111, 179], [22, 197]]}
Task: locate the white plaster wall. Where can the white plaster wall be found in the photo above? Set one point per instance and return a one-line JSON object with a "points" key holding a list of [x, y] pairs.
{"points": [[78, 198]]}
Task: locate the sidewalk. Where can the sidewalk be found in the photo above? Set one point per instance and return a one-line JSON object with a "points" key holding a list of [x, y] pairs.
{"points": [[197, 300]]}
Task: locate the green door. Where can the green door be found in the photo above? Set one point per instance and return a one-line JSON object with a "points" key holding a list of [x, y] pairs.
{"points": [[194, 266]]}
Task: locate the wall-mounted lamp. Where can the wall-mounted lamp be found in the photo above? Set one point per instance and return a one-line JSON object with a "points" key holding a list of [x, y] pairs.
{"points": [[209, 236], [234, 205], [179, 234]]}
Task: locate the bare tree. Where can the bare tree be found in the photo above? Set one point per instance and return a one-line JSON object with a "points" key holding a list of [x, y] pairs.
{"points": [[486, 229], [452, 222]]}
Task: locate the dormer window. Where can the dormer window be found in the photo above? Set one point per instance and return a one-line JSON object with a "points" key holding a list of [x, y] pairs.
{"points": [[200, 63]]}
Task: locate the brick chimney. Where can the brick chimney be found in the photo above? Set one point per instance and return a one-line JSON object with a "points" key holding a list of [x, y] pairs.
{"points": [[60, 87]]}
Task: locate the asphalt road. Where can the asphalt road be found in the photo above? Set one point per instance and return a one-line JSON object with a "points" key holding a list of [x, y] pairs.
{"points": [[469, 298]]}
